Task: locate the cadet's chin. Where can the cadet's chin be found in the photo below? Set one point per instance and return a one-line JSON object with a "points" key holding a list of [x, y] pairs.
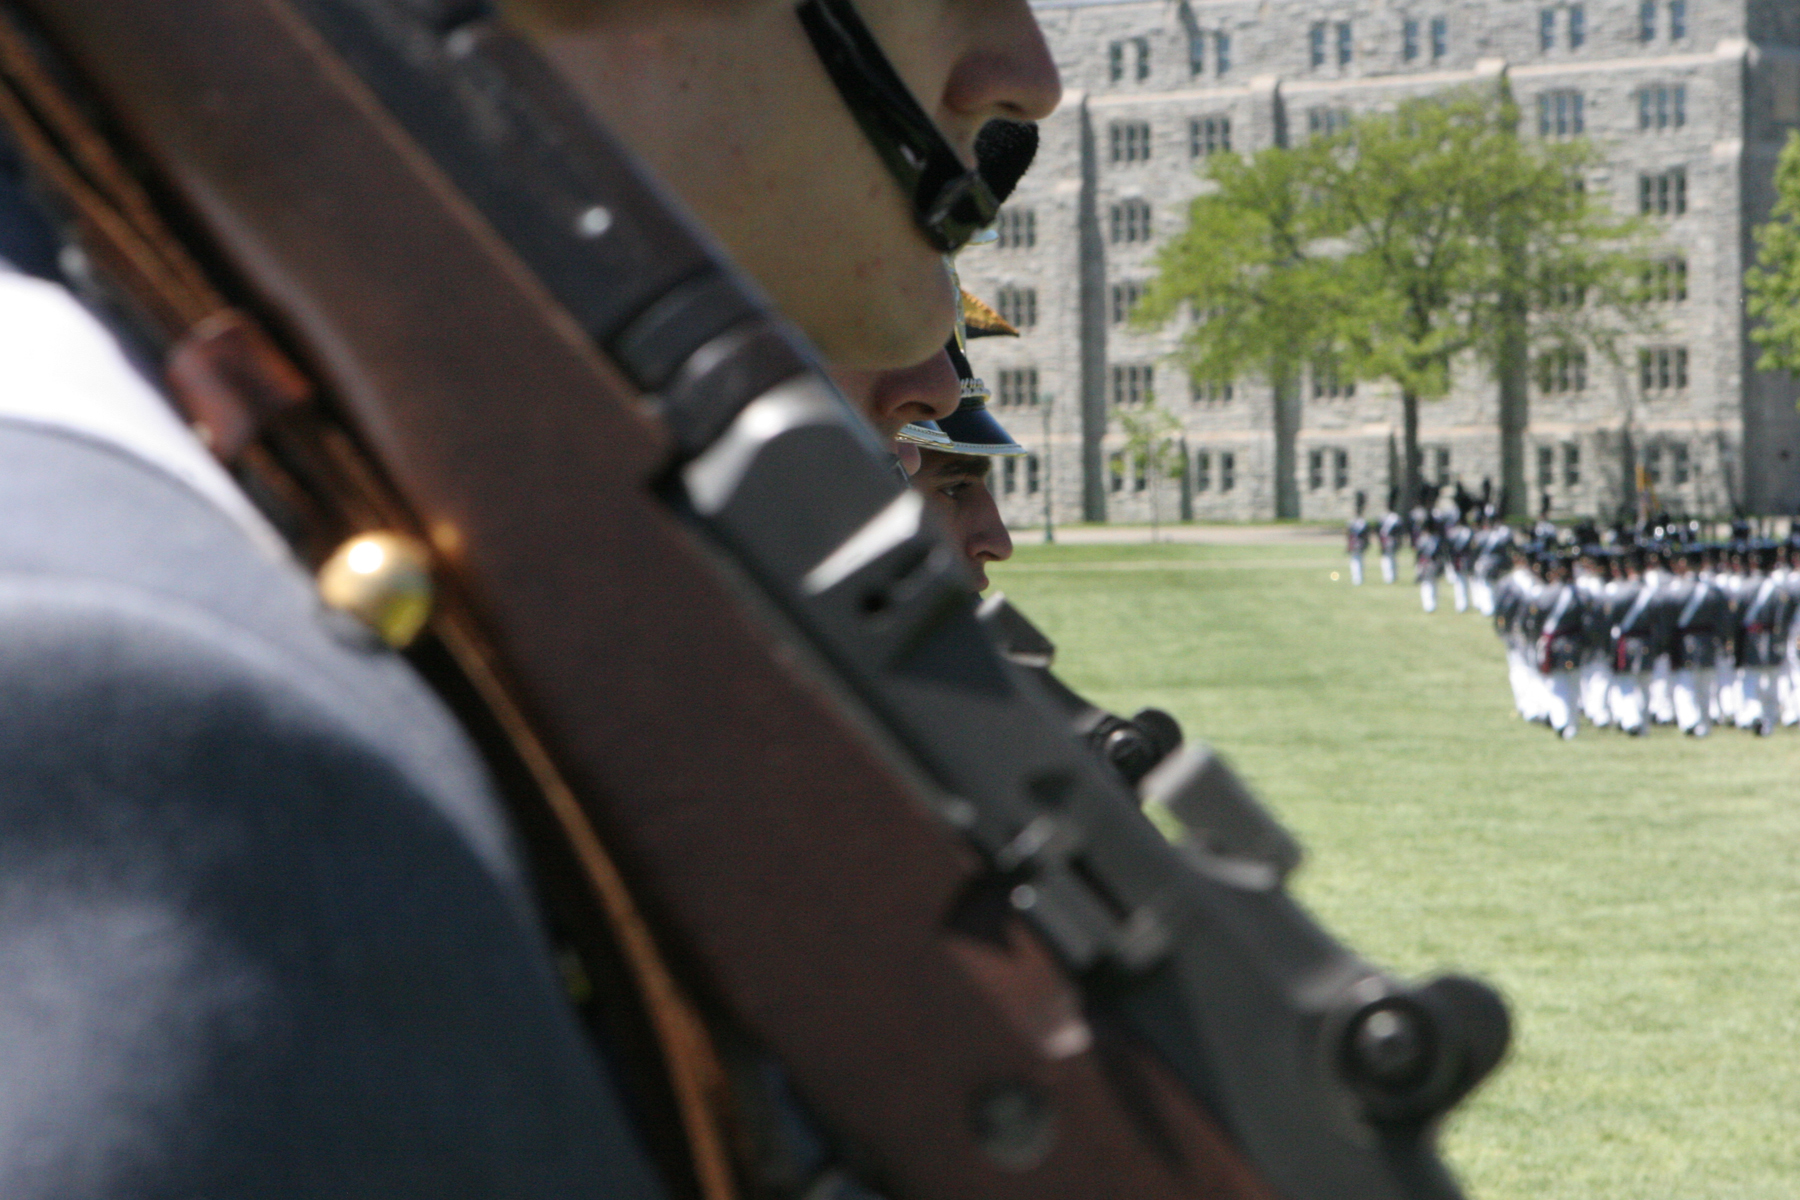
{"points": [[891, 319]]}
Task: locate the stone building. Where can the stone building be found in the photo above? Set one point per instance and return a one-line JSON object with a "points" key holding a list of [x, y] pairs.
{"points": [[1688, 101]]}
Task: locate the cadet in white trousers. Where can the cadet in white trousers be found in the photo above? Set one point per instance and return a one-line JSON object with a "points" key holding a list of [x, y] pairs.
{"points": [[1427, 562], [1389, 534], [1695, 661], [1356, 541], [1559, 648]]}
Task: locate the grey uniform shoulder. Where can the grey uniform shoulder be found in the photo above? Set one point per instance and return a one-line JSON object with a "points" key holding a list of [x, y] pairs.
{"points": [[265, 875]]}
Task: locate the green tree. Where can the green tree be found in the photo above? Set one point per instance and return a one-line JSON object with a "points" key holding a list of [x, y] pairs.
{"points": [[1397, 247], [1773, 283], [1249, 271], [1150, 449]]}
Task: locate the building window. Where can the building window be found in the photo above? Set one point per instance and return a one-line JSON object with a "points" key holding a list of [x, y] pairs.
{"points": [[1208, 135], [1034, 474], [1666, 280], [1571, 465], [1130, 141], [1125, 297], [1680, 466], [1546, 29], [1647, 21], [1132, 384], [1567, 295], [1561, 113], [1203, 470], [1409, 39], [1663, 195], [1009, 475], [1340, 470], [1577, 26], [1210, 392], [1018, 387], [1562, 370], [1196, 43], [1115, 464], [1137, 51], [1663, 369], [1227, 470], [1546, 467], [1328, 384], [1677, 19], [1440, 38], [1315, 470], [1017, 229], [1221, 53], [1316, 43], [1323, 122], [1343, 43], [1662, 107], [1018, 306], [1130, 221]]}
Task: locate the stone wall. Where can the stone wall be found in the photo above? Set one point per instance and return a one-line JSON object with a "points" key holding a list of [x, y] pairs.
{"points": [[1157, 64]]}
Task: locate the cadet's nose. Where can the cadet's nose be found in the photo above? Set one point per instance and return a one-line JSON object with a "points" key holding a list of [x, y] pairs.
{"points": [[919, 393], [1007, 70]]}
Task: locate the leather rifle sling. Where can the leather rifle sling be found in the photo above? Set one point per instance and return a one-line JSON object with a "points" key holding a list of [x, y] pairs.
{"points": [[773, 836], [221, 367]]}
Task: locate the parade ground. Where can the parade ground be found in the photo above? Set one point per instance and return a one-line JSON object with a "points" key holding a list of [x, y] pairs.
{"points": [[1638, 900]]}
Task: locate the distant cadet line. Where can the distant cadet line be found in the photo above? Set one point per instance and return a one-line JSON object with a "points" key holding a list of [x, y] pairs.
{"points": [[1233, 564]]}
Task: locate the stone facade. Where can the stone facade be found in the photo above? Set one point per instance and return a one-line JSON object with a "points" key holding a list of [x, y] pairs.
{"points": [[1151, 86]]}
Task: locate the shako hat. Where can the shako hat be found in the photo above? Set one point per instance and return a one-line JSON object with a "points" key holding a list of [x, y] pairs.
{"points": [[972, 429]]}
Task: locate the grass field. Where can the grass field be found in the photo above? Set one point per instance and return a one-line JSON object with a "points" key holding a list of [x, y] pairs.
{"points": [[1637, 900]]}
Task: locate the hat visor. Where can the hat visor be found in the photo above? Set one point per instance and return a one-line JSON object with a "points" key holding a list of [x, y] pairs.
{"points": [[925, 434], [975, 431]]}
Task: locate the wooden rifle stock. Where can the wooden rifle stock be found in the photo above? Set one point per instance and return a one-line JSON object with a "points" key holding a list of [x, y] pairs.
{"points": [[784, 826]]}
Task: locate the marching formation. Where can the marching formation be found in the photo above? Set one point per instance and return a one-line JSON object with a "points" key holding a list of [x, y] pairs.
{"points": [[1626, 630]]}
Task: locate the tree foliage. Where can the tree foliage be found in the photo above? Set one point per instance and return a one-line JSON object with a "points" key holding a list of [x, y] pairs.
{"points": [[1151, 449], [1773, 283], [1393, 249]]}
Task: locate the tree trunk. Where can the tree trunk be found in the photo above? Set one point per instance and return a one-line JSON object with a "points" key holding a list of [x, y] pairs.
{"points": [[1515, 416], [1286, 428], [1513, 364], [1187, 482], [1095, 413], [1155, 507], [1514, 371], [1409, 417]]}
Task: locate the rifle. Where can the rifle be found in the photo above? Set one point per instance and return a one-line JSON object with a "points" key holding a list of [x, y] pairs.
{"points": [[731, 667]]}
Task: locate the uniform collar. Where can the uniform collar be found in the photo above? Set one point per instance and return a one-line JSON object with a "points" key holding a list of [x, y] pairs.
{"points": [[61, 369]]}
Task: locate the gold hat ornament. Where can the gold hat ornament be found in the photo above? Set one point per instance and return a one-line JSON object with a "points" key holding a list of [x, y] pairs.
{"points": [[980, 320]]}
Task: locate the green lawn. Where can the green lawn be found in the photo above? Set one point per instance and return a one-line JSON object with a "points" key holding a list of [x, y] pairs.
{"points": [[1637, 900]]}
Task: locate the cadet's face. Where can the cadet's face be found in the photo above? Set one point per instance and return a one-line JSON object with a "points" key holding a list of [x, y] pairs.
{"points": [[731, 106], [956, 486], [894, 399]]}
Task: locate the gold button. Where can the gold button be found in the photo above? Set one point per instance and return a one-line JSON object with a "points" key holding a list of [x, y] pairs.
{"points": [[384, 580]]}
